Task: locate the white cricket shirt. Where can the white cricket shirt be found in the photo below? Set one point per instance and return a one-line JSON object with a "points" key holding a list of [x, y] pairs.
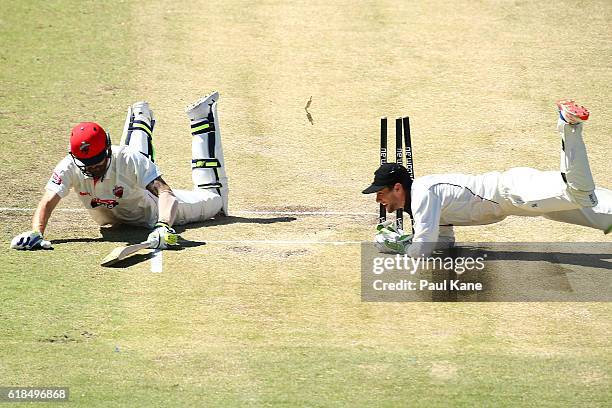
{"points": [[464, 199], [120, 196], [452, 199]]}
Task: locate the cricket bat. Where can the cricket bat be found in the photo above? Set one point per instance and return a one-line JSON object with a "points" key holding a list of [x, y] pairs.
{"points": [[120, 253]]}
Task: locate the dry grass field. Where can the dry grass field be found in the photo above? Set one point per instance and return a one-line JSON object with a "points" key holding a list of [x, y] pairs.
{"points": [[238, 318]]}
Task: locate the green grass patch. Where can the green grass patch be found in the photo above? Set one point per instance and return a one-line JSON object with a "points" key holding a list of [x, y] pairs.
{"points": [[61, 62]]}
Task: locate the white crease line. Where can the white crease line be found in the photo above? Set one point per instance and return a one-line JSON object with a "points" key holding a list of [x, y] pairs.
{"points": [[276, 242], [303, 213], [157, 261], [246, 212], [3, 209]]}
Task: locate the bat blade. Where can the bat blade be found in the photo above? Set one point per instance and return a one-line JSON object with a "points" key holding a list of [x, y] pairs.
{"points": [[120, 253]]}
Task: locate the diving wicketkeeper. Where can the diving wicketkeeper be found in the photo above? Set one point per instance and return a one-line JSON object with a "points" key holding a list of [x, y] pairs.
{"points": [[123, 184], [441, 201]]}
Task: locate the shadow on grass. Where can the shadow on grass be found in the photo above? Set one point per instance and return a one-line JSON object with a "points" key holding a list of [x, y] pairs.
{"points": [[130, 234], [131, 261], [142, 257], [127, 234], [591, 260], [234, 220], [516, 274]]}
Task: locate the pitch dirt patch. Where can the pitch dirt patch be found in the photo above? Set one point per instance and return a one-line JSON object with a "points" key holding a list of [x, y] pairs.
{"points": [[269, 251]]}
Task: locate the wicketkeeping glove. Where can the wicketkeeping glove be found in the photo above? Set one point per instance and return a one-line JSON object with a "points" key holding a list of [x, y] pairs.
{"points": [[388, 228], [391, 240], [30, 240], [162, 236]]}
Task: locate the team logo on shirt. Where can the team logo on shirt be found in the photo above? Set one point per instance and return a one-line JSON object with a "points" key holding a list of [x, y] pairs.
{"points": [[97, 202], [56, 179], [118, 191]]}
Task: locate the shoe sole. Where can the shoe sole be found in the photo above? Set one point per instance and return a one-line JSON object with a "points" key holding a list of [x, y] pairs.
{"points": [[570, 107], [214, 96]]}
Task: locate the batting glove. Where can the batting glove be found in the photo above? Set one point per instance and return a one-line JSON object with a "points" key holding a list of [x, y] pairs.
{"points": [[162, 236], [30, 240]]}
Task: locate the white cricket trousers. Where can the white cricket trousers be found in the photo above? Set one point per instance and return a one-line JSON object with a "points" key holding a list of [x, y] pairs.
{"points": [[196, 205], [570, 196]]}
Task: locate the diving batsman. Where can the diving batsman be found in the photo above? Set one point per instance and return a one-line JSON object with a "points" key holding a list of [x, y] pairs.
{"points": [[123, 184]]}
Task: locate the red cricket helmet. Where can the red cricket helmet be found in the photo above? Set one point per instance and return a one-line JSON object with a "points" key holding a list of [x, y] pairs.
{"points": [[89, 145]]}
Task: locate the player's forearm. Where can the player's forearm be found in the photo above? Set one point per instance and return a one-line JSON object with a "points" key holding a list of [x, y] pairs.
{"points": [[168, 206], [43, 212], [424, 240]]}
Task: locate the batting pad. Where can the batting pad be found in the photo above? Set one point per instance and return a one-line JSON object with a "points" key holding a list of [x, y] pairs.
{"points": [[207, 163], [138, 129]]}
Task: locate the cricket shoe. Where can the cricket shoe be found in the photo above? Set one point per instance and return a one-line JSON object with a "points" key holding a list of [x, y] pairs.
{"points": [[572, 113], [139, 119], [202, 107], [142, 117], [142, 110]]}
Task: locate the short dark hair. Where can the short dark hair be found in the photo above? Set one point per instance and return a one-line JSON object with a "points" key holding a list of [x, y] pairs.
{"points": [[406, 182]]}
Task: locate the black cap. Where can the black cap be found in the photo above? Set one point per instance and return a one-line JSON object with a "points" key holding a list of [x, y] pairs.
{"points": [[387, 175]]}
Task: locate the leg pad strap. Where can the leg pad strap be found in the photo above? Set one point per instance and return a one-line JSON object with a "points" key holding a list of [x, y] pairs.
{"points": [[210, 185], [205, 163], [141, 125], [202, 126]]}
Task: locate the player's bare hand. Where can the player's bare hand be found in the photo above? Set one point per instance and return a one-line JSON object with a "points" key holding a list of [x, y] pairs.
{"points": [[163, 236], [30, 240]]}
